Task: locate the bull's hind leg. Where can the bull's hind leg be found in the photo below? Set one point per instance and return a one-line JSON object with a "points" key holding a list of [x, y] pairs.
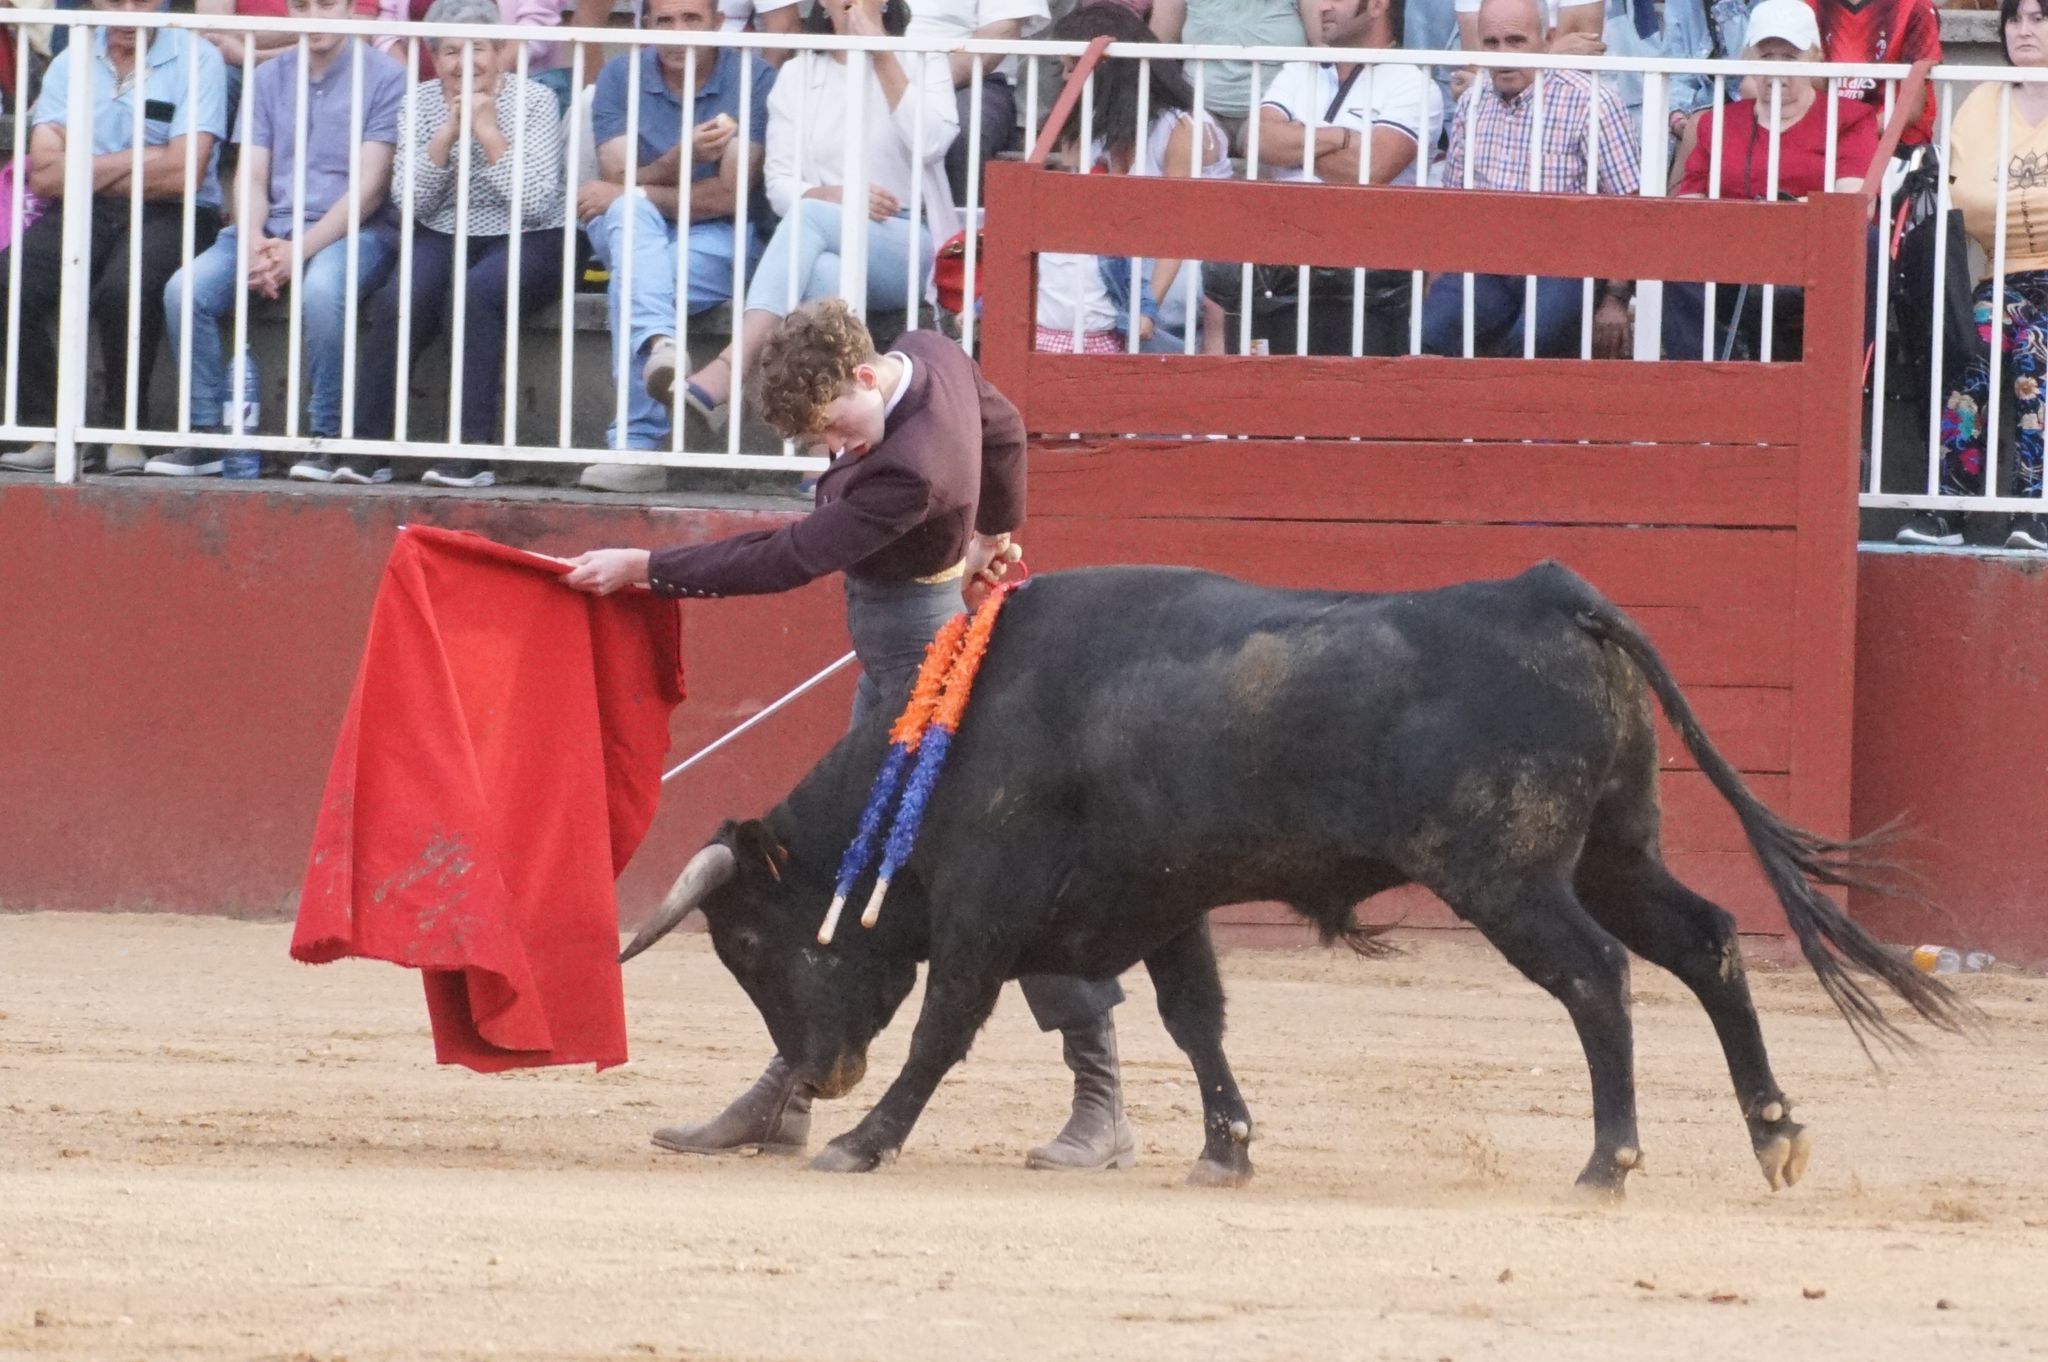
{"points": [[1541, 928], [1191, 1004], [1637, 899]]}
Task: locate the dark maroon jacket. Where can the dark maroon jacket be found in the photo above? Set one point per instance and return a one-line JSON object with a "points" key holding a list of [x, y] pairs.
{"points": [[950, 463]]}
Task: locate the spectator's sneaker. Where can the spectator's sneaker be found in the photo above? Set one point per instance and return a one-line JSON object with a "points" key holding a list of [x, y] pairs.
{"points": [[624, 477], [40, 457], [126, 460], [319, 468], [460, 473], [659, 374], [180, 463], [361, 469], [1931, 528], [2028, 532]]}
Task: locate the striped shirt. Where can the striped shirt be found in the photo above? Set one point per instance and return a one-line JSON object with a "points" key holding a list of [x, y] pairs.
{"points": [[1498, 131]]}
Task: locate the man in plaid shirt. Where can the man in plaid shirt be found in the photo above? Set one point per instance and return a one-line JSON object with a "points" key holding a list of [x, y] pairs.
{"points": [[1490, 142]]}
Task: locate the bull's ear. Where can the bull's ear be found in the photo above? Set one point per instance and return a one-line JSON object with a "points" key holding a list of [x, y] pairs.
{"points": [[758, 848]]}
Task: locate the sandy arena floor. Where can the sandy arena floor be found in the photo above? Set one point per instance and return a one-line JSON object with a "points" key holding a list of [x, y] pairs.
{"points": [[208, 1152]]}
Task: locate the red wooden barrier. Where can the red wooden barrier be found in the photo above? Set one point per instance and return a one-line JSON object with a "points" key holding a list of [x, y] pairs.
{"points": [[1716, 502]]}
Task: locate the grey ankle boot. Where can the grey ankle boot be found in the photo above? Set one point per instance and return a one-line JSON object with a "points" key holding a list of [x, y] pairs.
{"points": [[773, 1116], [1096, 1134]]}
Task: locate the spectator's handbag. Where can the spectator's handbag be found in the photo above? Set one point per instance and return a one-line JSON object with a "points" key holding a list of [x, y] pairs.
{"points": [[1911, 237]]}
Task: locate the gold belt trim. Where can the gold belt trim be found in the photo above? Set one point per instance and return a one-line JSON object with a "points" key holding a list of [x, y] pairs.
{"points": [[951, 574]]}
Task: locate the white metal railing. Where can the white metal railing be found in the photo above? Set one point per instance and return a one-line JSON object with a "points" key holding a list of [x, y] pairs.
{"points": [[574, 442]]}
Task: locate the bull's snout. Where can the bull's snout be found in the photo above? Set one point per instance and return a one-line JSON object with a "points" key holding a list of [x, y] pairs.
{"points": [[842, 1078]]}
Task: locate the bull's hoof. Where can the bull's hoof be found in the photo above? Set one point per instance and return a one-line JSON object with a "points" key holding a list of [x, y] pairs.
{"points": [[1782, 1153], [845, 1156], [1209, 1172], [1605, 1176]]}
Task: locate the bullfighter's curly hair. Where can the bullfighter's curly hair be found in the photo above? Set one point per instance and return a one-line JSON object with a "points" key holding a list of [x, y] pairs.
{"points": [[807, 361]]}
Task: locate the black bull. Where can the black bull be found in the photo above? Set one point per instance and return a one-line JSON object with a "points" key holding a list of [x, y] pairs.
{"points": [[1146, 744]]}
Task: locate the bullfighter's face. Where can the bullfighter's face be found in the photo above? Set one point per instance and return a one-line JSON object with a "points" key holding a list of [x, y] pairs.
{"points": [[822, 1004]]}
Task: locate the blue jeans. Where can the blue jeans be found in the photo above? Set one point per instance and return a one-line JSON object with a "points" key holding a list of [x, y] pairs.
{"points": [[816, 263], [323, 300], [651, 311], [1497, 320]]}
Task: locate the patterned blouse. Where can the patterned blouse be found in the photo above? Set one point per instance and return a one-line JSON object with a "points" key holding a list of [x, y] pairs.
{"points": [[534, 154]]}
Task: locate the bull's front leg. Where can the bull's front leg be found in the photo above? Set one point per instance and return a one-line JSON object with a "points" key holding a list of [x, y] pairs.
{"points": [[1191, 1004], [956, 1003]]}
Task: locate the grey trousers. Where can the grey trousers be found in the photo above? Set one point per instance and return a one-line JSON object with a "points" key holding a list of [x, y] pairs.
{"points": [[891, 625]]}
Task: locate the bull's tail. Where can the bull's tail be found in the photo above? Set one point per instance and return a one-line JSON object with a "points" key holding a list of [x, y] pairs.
{"points": [[1797, 863]]}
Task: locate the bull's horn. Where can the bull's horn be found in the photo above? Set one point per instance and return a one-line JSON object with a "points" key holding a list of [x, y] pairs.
{"points": [[707, 870]]}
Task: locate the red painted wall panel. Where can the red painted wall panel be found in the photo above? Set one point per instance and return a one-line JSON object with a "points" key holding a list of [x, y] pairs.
{"points": [[1952, 684]]}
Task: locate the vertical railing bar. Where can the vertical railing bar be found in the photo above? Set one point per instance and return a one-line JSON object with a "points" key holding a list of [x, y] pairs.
{"points": [[465, 154], [1997, 359], [1131, 337], [1251, 172], [245, 241], [686, 178], [1311, 125], [1471, 154], [570, 173], [1771, 191], [132, 403], [1937, 395], [188, 237], [1587, 287], [1087, 141], [1365, 177], [296, 311], [1536, 131], [971, 274], [18, 209], [910, 276], [739, 264], [351, 307], [514, 245], [1882, 302], [625, 354], [73, 320], [415, 148], [1707, 328], [1191, 269]]}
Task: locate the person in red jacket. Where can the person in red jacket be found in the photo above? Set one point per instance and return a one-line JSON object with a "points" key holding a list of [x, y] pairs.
{"points": [[925, 488]]}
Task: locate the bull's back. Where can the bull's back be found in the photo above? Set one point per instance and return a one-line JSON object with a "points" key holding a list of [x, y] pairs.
{"points": [[1181, 706]]}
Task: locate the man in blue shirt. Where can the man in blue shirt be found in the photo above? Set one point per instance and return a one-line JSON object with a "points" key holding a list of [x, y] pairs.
{"points": [[317, 225], [175, 113], [644, 325]]}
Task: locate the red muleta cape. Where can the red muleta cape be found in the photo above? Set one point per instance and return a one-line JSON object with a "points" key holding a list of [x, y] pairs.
{"points": [[499, 762]]}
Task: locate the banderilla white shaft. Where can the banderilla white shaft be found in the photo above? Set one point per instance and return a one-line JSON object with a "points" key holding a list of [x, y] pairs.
{"points": [[784, 702]]}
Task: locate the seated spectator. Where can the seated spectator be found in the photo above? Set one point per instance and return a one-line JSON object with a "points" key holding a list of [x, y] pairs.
{"points": [[807, 117], [2022, 293], [1779, 30], [514, 134], [319, 226], [1227, 85], [546, 61], [1489, 149], [1364, 129], [173, 114], [1453, 26], [1876, 31], [1099, 287], [234, 46], [950, 21], [762, 16], [644, 325]]}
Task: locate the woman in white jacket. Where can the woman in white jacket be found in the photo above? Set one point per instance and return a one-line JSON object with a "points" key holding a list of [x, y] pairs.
{"points": [[804, 173]]}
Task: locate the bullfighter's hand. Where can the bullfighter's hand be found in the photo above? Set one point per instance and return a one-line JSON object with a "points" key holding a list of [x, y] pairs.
{"points": [[603, 571], [988, 561]]}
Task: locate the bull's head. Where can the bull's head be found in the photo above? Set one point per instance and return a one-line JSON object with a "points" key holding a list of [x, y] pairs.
{"points": [[822, 1004]]}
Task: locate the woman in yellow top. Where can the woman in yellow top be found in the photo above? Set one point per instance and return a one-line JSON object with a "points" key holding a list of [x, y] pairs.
{"points": [[1976, 177]]}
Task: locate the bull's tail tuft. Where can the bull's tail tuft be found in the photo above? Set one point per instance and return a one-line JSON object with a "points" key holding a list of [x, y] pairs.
{"points": [[1799, 864]]}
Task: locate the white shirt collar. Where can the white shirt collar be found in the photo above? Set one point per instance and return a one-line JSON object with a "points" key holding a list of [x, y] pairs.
{"points": [[902, 385]]}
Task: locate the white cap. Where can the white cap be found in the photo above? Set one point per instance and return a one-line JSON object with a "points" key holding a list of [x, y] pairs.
{"points": [[1788, 21]]}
